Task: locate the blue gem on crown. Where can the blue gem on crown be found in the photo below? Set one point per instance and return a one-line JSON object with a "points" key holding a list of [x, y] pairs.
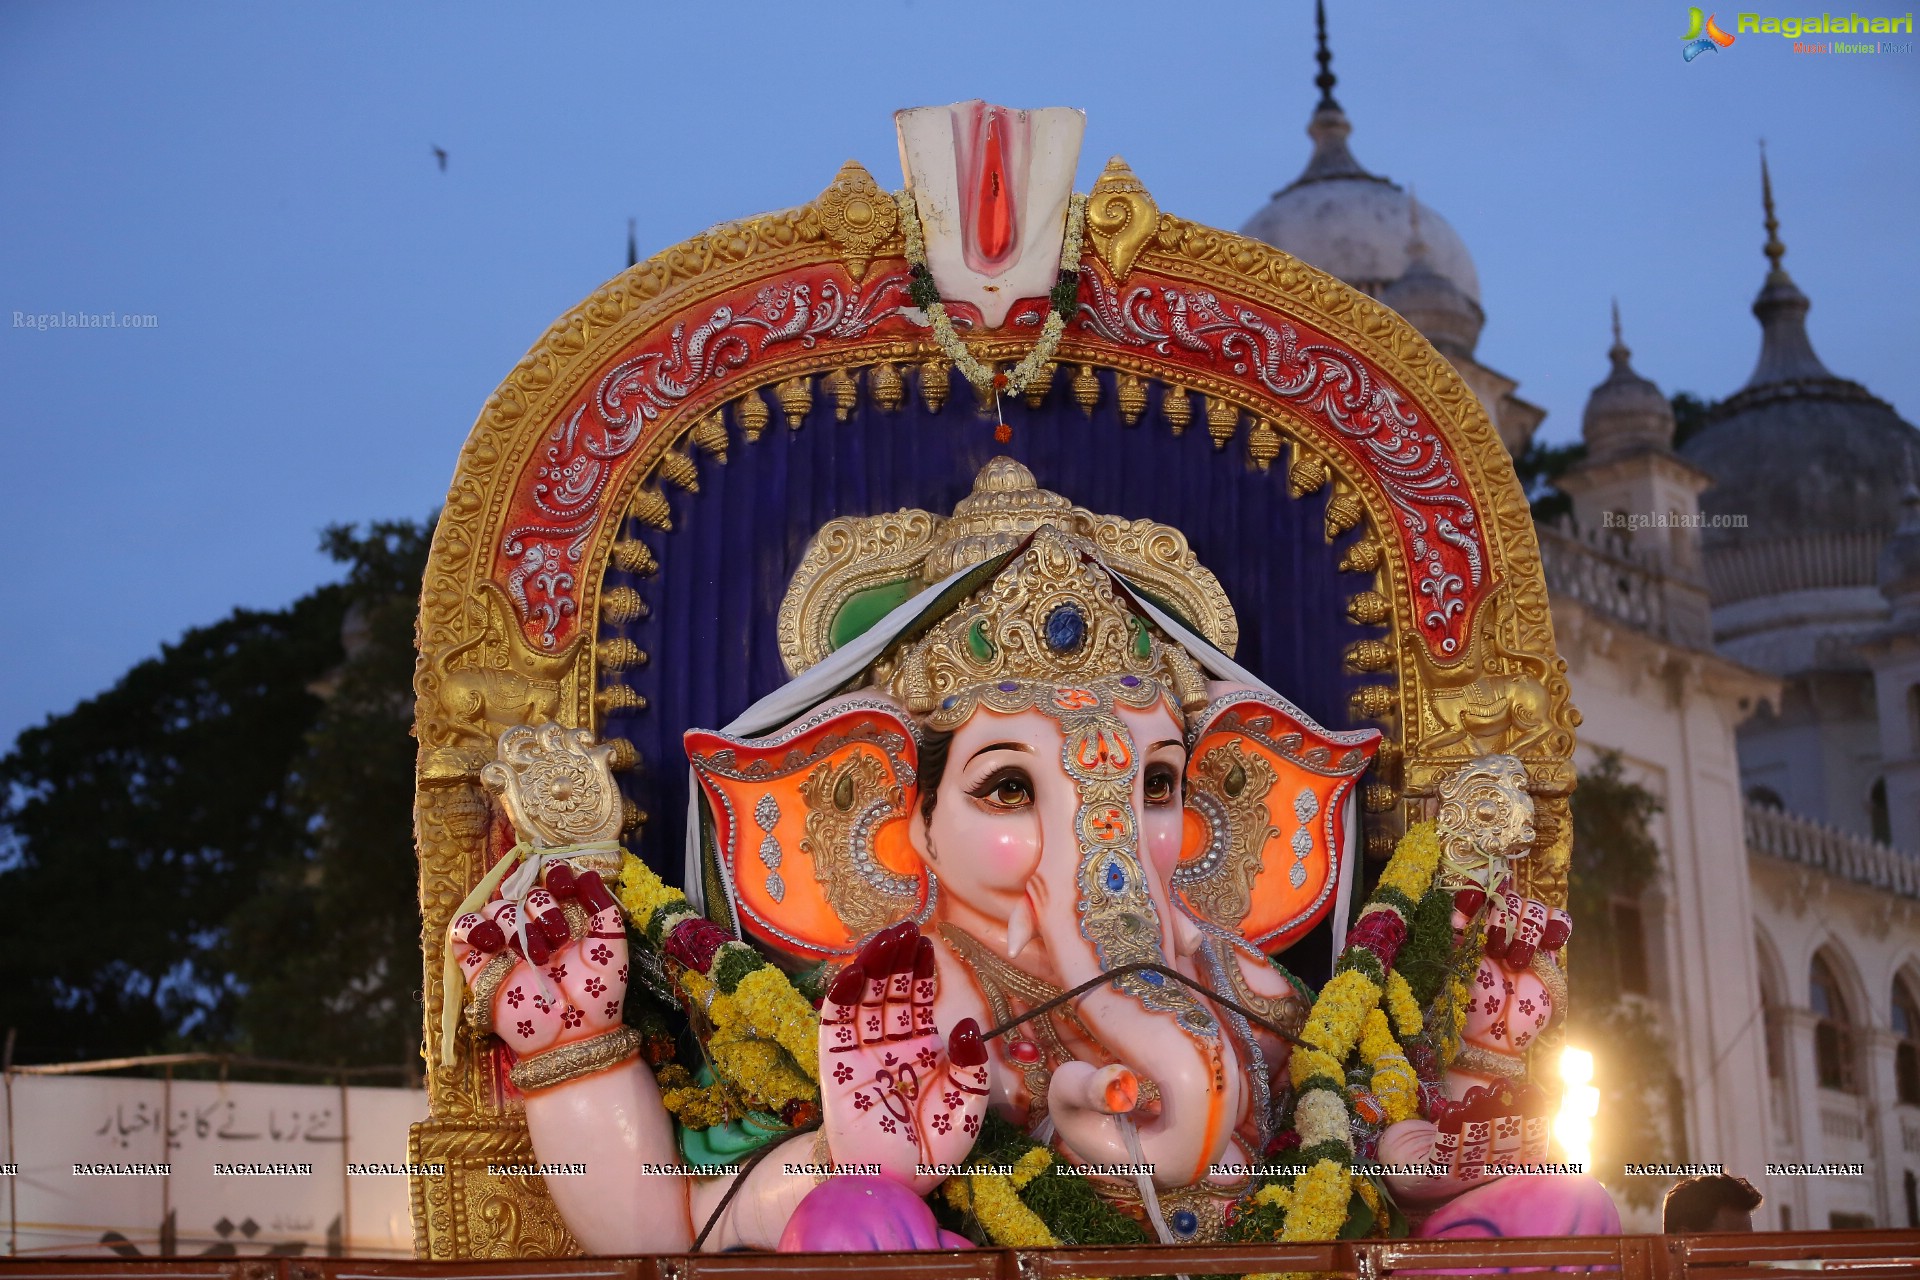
{"points": [[1066, 628]]}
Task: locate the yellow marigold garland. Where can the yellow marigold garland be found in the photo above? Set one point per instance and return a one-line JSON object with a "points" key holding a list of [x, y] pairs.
{"points": [[766, 1035], [1318, 1206], [771, 1008], [1369, 1007], [1274, 1196], [642, 893], [697, 1106], [997, 1206], [1031, 1165], [1334, 1025], [1402, 1007], [1410, 871], [1393, 1080], [760, 1068]]}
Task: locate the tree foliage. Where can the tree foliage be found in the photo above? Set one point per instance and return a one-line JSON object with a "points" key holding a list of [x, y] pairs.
{"points": [[1538, 468], [1616, 859], [1690, 414], [216, 853]]}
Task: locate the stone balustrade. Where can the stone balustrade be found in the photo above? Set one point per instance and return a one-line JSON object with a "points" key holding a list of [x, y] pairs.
{"points": [[1788, 836], [1602, 570]]}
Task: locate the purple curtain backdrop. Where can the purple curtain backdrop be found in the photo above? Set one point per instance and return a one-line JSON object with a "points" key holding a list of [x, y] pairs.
{"points": [[724, 566]]}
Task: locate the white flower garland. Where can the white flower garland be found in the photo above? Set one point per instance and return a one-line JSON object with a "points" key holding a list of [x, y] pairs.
{"points": [[949, 340]]}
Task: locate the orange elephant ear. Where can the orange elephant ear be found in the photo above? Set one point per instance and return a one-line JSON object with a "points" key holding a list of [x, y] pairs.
{"points": [[811, 826], [1267, 792]]}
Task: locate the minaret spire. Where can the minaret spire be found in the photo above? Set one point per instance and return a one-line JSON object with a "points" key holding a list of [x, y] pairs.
{"points": [[1787, 358], [1774, 249], [1324, 56], [1620, 353], [1329, 126]]}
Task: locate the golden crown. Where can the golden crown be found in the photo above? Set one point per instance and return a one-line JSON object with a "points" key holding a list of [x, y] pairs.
{"points": [[857, 568], [1052, 614]]}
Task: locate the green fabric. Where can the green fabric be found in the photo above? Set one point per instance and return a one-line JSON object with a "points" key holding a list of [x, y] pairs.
{"points": [[864, 608], [731, 1142]]}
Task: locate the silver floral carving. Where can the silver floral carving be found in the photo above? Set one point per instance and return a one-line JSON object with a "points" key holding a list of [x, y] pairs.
{"points": [[767, 815], [1407, 456], [1305, 805], [581, 453]]}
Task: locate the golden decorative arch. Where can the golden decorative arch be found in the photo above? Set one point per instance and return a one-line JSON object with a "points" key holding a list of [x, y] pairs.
{"points": [[1268, 354]]}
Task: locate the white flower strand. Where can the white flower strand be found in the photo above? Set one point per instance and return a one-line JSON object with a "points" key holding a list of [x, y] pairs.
{"points": [[948, 338]]}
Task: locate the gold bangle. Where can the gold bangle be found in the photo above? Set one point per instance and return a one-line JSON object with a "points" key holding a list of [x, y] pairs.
{"points": [[1485, 1062], [485, 988], [1554, 979], [571, 1061]]}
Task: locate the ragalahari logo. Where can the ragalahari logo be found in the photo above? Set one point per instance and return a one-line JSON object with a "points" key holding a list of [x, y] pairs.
{"points": [[1703, 35]]}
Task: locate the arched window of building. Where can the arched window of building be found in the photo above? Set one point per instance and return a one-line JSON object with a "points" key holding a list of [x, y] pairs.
{"points": [[1906, 1058], [1773, 1023], [1913, 718], [1877, 812], [1913, 1199], [1833, 1033], [1765, 797]]}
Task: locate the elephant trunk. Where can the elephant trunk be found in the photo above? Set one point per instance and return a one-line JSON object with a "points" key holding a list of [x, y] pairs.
{"points": [[1099, 916]]}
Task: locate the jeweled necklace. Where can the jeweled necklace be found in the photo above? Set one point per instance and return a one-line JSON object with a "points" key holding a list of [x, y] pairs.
{"points": [[925, 294]]}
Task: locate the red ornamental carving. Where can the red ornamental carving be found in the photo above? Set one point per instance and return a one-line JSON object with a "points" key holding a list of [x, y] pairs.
{"points": [[1373, 420], [685, 364], [682, 364]]}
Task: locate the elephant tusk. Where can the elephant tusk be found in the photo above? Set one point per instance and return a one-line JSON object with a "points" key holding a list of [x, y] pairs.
{"points": [[1186, 934], [1021, 926]]}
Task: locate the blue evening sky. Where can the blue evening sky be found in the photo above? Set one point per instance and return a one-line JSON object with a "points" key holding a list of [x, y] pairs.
{"points": [[333, 309]]}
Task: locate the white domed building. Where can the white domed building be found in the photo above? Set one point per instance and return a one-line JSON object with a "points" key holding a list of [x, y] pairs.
{"points": [[1741, 621], [1379, 238]]}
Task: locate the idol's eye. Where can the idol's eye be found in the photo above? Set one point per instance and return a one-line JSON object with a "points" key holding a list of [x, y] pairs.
{"points": [[1162, 784], [1005, 788]]}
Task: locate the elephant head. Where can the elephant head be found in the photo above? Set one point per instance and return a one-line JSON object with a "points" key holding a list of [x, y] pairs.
{"points": [[1040, 770]]}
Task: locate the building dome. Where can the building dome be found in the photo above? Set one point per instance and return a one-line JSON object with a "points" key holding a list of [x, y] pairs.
{"points": [[1433, 303], [1626, 413], [1815, 463], [1899, 566], [1353, 224]]}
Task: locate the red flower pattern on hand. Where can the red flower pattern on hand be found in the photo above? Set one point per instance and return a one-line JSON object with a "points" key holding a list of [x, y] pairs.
{"points": [[886, 1070]]}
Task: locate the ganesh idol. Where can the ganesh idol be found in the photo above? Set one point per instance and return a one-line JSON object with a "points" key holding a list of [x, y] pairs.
{"points": [[1040, 848]]}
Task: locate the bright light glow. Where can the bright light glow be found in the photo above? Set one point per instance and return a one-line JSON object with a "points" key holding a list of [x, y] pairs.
{"points": [[1573, 1126], [1576, 1066]]}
